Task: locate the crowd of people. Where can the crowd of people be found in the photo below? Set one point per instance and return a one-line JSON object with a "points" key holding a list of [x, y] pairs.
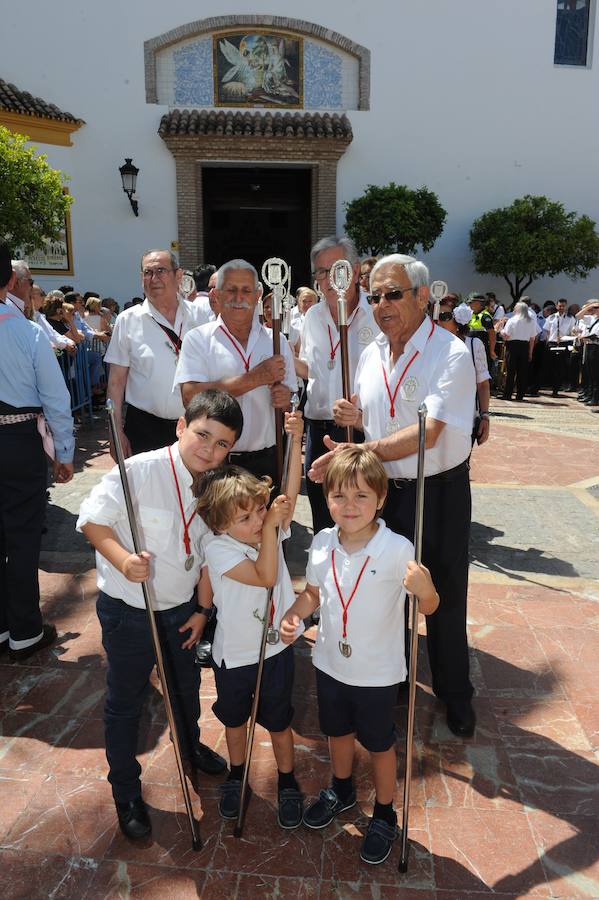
{"points": [[197, 394]]}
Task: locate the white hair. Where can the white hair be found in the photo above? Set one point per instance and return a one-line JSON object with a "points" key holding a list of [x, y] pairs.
{"points": [[326, 243], [235, 265], [55, 295], [20, 268], [520, 310], [416, 271]]}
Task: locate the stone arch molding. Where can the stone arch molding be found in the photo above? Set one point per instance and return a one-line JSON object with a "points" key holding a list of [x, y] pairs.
{"points": [[347, 49]]}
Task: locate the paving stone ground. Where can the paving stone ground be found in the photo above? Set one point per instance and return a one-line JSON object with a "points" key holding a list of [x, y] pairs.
{"points": [[512, 813]]}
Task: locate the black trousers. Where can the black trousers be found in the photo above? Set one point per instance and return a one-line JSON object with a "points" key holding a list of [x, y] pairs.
{"points": [[258, 462], [23, 480], [592, 368], [315, 432], [148, 432], [559, 364], [517, 368], [446, 536]]}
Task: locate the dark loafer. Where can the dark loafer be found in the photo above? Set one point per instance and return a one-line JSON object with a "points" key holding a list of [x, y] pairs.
{"points": [[291, 808], [4, 646], [461, 718], [204, 654], [377, 842], [230, 791], [48, 637], [134, 820], [322, 812], [205, 760]]}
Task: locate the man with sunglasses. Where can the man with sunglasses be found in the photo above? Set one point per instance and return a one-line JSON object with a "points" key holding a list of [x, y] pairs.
{"points": [[409, 363], [143, 355], [320, 355], [20, 295]]}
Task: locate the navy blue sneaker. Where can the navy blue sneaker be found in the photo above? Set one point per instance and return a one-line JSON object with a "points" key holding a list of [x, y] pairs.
{"points": [[322, 812], [377, 842]]}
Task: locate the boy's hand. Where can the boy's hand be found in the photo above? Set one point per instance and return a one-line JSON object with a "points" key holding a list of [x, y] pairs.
{"points": [[294, 425], [418, 581], [137, 568], [196, 624], [288, 627], [280, 509]]}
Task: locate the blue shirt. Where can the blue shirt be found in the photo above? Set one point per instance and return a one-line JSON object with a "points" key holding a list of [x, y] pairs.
{"points": [[83, 327], [30, 376]]}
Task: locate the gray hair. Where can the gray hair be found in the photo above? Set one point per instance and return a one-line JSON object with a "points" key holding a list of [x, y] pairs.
{"points": [[172, 257], [520, 310], [235, 265], [416, 271], [55, 295], [347, 245], [20, 268]]}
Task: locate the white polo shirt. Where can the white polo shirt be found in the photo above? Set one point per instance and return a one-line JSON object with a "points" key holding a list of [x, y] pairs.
{"points": [[160, 524], [566, 324], [324, 384], [441, 375], [375, 616], [521, 328], [479, 358], [241, 606], [208, 355], [139, 343]]}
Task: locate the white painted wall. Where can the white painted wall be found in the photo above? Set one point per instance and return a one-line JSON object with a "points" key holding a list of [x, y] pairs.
{"points": [[464, 99]]}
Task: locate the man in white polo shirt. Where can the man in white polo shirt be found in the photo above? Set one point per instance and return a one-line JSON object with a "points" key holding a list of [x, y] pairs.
{"points": [[320, 356], [410, 362], [234, 354], [143, 355]]}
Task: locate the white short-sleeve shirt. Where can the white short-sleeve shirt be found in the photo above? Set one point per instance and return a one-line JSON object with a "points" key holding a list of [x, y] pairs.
{"points": [[209, 355], [375, 620], [566, 324], [319, 339], [139, 343], [241, 607], [441, 375], [479, 358], [521, 328], [160, 523]]}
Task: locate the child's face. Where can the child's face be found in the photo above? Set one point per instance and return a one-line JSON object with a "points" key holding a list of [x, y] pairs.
{"points": [[353, 506], [246, 525], [204, 444]]}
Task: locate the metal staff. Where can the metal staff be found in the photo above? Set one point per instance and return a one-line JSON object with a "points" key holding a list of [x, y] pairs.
{"points": [[196, 841], [437, 291], [275, 272], [264, 640], [418, 525], [340, 278]]}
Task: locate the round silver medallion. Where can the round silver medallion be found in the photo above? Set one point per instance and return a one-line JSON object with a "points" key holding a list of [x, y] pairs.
{"points": [[189, 563], [331, 364], [272, 636], [344, 649]]}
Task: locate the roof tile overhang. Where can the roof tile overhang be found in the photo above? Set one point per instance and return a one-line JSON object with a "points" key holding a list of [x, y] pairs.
{"points": [[310, 126], [21, 112]]}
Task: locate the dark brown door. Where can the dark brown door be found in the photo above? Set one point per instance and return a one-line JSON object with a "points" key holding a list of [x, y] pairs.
{"points": [[255, 213]]}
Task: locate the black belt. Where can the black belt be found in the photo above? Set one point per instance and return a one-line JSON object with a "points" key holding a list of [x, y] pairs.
{"points": [[448, 475], [323, 424], [253, 454]]}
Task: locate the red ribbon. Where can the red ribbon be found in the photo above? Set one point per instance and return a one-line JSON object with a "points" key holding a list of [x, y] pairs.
{"points": [[351, 596], [393, 395], [187, 523], [246, 359]]}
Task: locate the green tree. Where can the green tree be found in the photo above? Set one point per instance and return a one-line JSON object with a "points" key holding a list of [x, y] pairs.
{"points": [[32, 199], [533, 238], [394, 218]]}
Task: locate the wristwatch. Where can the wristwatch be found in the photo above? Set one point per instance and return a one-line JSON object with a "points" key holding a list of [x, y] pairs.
{"points": [[205, 611], [484, 415]]}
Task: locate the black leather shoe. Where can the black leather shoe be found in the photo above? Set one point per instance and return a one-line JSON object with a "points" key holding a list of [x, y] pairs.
{"points": [[204, 654], [322, 812], [291, 808], [48, 637], [205, 760], [4, 646], [461, 718], [134, 820], [377, 842]]}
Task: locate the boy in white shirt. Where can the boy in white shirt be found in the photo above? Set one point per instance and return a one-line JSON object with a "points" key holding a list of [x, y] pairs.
{"points": [[244, 560], [358, 573], [161, 488]]}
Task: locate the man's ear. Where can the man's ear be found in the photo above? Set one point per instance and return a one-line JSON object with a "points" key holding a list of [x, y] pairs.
{"points": [[181, 426]]}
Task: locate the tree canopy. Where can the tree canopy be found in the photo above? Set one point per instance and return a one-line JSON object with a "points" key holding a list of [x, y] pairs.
{"points": [[394, 218], [533, 238], [32, 199]]}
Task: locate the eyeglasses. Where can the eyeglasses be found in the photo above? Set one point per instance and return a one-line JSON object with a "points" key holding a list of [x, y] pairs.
{"points": [[396, 294], [445, 316], [321, 274], [160, 271]]}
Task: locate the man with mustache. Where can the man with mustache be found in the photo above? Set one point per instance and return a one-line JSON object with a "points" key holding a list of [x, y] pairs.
{"points": [[234, 354]]}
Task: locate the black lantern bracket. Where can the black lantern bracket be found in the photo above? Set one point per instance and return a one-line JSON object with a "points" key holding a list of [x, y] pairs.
{"points": [[129, 174]]}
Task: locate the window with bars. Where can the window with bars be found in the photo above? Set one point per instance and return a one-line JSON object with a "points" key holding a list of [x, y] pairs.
{"points": [[572, 32]]}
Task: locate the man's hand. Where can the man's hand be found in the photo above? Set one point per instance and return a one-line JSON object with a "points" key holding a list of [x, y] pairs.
{"points": [[125, 445], [483, 432], [71, 348], [63, 472], [196, 624], [288, 627], [280, 396], [136, 568], [319, 466], [270, 370], [346, 412]]}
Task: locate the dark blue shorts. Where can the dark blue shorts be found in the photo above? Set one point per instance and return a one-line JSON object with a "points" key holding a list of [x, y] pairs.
{"points": [[366, 712], [235, 692]]}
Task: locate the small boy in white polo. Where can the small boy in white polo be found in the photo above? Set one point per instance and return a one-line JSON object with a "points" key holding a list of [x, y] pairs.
{"points": [[358, 573], [244, 559]]}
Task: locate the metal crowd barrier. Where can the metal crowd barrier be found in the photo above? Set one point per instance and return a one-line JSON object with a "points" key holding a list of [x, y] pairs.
{"points": [[75, 370]]}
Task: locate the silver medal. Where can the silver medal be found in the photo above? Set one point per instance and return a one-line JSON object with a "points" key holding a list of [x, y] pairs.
{"points": [[272, 635], [344, 649], [189, 563], [391, 427], [331, 364]]}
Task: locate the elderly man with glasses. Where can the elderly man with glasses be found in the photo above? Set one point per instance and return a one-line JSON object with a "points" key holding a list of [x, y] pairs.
{"points": [[143, 355], [20, 295], [412, 362]]}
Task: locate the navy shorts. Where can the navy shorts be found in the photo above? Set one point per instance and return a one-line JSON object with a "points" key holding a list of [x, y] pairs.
{"points": [[235, 692], [366, 712]]}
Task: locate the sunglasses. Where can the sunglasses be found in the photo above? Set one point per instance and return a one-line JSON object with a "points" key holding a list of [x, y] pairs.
{"points": [[397, 294], [445, 316]]}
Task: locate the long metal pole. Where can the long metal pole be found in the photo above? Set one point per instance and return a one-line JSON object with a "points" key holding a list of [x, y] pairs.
{"points": [[276, 349], [418, 525], [196, 840], [344, 347], [265, 623]]}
